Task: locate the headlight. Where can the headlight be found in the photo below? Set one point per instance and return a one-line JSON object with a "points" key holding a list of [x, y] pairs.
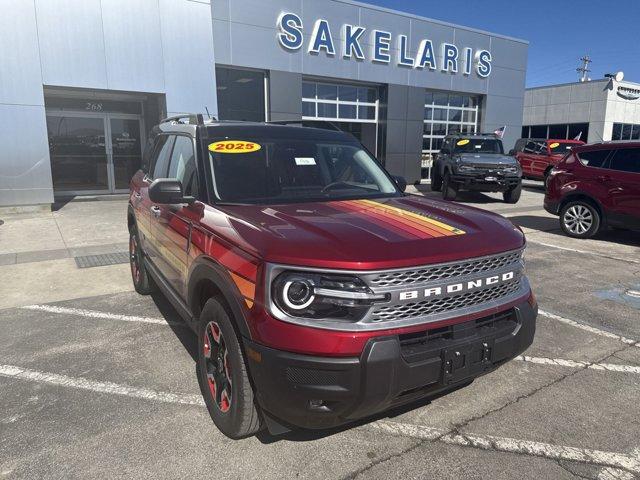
{"points": [[511, 169], [323, 296]]}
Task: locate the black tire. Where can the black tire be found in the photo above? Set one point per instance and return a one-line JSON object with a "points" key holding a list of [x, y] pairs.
{"points": [[436, 178], [513, 194], [142, 281], [580, 219], [449, 188], [236, 415]]}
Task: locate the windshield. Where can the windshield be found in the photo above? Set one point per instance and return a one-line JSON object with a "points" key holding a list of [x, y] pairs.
{"points": [[478, 145], [294, 170], [560, 148]]}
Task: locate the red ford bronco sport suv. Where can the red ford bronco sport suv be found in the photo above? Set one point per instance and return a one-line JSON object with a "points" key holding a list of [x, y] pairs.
{"points": [[596, 186], [538, 156], [319, 291]]}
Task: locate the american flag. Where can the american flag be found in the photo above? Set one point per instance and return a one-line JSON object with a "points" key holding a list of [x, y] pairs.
{"points": [[500, 132]]}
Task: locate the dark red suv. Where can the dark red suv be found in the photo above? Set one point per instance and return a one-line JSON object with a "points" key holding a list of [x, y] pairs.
{"points": [[537, 156], [596, 186], [320, 292]]}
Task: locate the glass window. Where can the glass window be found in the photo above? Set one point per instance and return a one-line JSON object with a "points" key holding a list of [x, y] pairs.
{"points": [[308, 90], [617, 131], [455, 100], [347, 93], [467, 101], [594, 158], [327, 110], [366, 113], [439, 129], [426, 129], [439, 114], [558, 131], [428, 113], [436, 144], [478, 145], [538, 131], [455, 115], [453, 128], [327, 92], [426, 144], [440, 99], [581, 129], [161, 156], [240, 94], [626, 160], [525, 132], [635, 132], [428, 98], [626, 131], [348, 111], [183, 165], [469, 116], [367, 95], [308, 109], [299, 170]]}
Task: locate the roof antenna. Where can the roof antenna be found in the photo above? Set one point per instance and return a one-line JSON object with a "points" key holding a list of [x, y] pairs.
{"points": [[207, 110]]}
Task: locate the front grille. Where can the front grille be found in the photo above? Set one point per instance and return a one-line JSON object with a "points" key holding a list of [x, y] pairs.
{"points": [[440, 272], [439, 305]]}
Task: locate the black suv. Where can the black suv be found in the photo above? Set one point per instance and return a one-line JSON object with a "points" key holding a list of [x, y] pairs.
{"points": [[476, 162]]}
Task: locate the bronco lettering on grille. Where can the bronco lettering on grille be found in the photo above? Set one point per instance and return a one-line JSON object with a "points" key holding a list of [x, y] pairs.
{"points": [[457, 287]]}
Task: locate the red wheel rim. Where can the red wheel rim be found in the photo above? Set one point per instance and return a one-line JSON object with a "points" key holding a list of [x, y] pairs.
{"points": [[134, 258], [216, 359]]}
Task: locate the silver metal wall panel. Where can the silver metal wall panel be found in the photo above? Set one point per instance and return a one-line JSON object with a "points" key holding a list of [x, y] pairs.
{"points": [[133, 45], [188, 52], [25, 169], [25, 175], [72, 43]]}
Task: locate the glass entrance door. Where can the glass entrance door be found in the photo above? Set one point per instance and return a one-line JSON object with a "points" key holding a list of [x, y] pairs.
{"points": [[78, 153], [93, 153]]}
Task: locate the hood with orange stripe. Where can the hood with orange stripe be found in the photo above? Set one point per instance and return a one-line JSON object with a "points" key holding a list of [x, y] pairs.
{"points": [[370, 234]]}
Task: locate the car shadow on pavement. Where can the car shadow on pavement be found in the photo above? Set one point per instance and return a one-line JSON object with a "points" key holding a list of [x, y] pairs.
{"points": [[552, 226], [181, 330]]}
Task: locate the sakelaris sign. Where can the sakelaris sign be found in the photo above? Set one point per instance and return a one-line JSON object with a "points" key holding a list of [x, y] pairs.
{"points": [[290, 28]]}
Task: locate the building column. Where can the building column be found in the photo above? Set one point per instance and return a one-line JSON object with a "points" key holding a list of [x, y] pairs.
{"points": [[284, 96]]}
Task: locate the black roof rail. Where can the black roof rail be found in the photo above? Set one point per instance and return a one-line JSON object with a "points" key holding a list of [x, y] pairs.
{"points": [[193, 118], [316, 124]]}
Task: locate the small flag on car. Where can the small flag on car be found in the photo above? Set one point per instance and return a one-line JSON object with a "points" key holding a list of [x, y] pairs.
{"points": [[579, 136], [500, 132]]}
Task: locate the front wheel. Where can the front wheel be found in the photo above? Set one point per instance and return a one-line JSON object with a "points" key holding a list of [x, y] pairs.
{"points": [[436, 178], [142, 282], [513, 194], [223, 376], [580, 219], [449, 187]]}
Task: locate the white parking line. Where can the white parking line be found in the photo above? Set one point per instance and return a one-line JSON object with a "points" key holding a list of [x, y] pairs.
{"points": [[617, 474], [589, 328], [596, 254], [94, 314], [611, 367], [12, 371], [629, 463]]}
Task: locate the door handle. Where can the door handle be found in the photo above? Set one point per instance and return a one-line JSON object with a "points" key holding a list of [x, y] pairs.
{"points": [[155, 210]]}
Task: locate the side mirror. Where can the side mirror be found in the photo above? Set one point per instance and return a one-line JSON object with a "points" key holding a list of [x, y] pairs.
{"points": [[401, 182], [512, 152], [168, 191]]}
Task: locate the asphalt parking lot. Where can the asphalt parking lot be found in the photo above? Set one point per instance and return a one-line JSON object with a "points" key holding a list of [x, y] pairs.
{"points": [[99, 382]]}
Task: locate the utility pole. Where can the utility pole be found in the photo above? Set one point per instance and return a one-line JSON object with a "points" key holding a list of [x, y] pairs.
{"points": [[584, 69]]}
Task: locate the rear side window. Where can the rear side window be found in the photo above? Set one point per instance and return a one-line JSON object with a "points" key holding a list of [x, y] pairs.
{"points": [[594, 158], [626, 160], [162, 152], [183, 165], [535, 147]]}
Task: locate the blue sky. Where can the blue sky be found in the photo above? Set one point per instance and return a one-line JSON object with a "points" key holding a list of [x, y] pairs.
{"points": [[559, 32]]}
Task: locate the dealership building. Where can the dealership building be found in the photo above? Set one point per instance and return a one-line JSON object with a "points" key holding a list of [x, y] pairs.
{"points": [[598, 110], [83, 81]]}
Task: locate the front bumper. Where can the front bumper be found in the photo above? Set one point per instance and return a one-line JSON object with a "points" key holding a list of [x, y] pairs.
{"points": [[486, 181], [322, 392], [552, 207]]}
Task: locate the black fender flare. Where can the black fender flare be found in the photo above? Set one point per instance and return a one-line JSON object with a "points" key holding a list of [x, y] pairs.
{"points": [[204, 268]]}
